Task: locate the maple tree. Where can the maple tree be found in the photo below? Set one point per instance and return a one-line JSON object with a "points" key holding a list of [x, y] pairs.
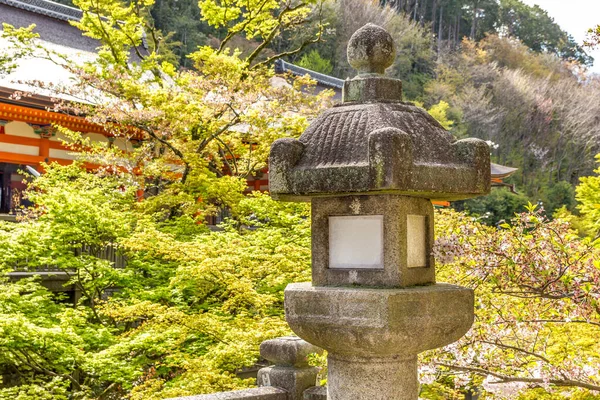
{"points": [[187, 310]]}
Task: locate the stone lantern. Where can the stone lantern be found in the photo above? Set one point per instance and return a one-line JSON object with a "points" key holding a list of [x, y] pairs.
{"points": [[370, 168]]}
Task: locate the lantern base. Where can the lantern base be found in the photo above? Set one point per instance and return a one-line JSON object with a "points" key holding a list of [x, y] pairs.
{"points": [[358, 378]]}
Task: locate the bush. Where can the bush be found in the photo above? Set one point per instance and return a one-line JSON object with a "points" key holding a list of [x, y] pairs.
{"points": [[499, 206]]}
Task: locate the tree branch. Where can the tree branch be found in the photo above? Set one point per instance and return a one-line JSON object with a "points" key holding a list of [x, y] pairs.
{"points": [[273, 32], [175, 150], [506, 379], [508, 347], [231, 33]]}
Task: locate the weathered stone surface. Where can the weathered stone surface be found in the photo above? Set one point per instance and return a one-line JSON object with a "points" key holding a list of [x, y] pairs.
{"points": [[372, 378], [288, 351], [263, 393], [316, 393], [371, 49], [375, 143], [373, 335], [378, 148], [395, 211], [364, 322], [370, 168], [287, 380], [372, 89], [293, 380], [291, 370]]}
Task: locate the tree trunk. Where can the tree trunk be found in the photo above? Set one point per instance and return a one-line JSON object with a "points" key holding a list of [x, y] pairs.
{"points": [[415, 8], [475, 19], [441, 29], [433, 16], [457, 35]]}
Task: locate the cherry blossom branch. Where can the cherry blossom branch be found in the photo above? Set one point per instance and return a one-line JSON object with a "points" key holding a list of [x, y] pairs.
{"points": [[507, 379]]}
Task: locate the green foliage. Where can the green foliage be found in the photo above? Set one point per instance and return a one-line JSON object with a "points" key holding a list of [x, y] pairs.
{"points": [[450, 21], [536, 321], [560, 194], [542, 394], [16, 36], [499, 90], [313, 61], [215, 122], [188, 309], [483, 84], [415, 61], [439, 111], [190, 306], [497, 207], [182, 21], [588, 196], [536, 29]]}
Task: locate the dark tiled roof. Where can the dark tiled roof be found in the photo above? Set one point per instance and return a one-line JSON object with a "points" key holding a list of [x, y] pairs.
{"points": [[51, 29], [54, 11], [325, 80], [47, 8]]}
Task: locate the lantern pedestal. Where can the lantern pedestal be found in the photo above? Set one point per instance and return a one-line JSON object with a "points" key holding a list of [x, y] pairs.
{"points": [[373, 335]]}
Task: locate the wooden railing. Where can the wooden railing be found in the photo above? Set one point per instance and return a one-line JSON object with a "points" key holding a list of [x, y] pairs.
{"points": [[109, 253]]}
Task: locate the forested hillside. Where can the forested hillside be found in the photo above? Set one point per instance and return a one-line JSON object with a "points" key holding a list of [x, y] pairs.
{"points": [[501, 71], [447, 21]]}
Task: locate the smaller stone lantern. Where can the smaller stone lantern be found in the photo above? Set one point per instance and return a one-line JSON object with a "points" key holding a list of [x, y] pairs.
{"points": [[370, 168]]}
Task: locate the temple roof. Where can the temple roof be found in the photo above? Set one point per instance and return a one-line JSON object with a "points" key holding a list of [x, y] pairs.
{"points": [[47, 8], [56, 34], [51, 22], [326, 80]]}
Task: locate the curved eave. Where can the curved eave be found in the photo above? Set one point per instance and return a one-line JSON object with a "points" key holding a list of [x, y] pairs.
{"points": [[12, 112], [501, 171]]}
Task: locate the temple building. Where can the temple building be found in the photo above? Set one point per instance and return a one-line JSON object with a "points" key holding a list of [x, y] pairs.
{"points": [[27, 136], [499, 173]]}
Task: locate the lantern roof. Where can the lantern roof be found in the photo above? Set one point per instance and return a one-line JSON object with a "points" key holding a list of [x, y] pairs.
{"points": [[373, 142]]}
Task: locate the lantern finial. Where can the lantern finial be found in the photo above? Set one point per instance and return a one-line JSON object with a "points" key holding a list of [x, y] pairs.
{"points": [[371, 50]]}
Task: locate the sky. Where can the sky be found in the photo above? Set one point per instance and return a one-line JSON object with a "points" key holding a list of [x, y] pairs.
{"points": [[575, 17]]}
